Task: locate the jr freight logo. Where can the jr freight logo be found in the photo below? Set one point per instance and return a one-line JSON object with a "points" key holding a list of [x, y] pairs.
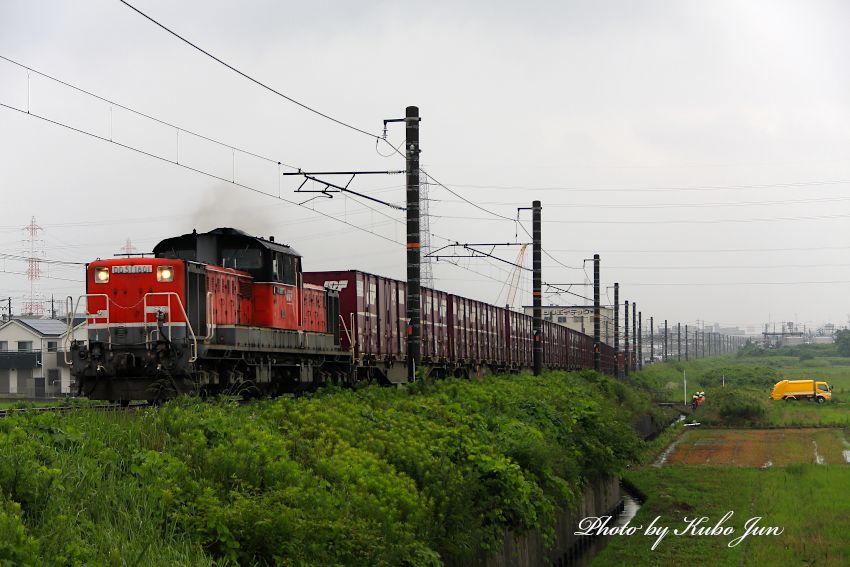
{"points": [[338, 285]]}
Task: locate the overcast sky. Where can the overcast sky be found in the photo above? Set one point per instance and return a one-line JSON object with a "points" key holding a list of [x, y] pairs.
{"points": [[700, 147]]}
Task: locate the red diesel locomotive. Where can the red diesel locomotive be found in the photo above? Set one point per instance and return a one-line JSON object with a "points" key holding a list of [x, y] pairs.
{"points": [[224, 311]]}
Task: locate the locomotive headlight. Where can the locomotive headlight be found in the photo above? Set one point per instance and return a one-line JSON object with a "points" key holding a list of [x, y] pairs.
{"points": [[101, 275], [165, 274]]}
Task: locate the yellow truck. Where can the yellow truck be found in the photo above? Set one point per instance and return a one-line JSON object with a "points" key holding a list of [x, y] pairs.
{"points": [[802, 389]]}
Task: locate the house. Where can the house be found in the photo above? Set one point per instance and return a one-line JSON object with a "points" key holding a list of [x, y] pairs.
{"points": [[32, 358]]}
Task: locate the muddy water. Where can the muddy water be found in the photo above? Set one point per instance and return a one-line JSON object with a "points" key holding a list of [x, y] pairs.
{"points": [[665, 454]]}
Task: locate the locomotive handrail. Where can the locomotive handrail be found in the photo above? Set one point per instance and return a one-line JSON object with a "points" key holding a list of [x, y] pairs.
{"points": [[210, 324], [168, 294], [354, 337], [345, 328], [98, 315]]}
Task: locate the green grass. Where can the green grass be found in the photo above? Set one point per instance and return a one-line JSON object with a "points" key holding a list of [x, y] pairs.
{"points": [[808, 501], [374, 476], [749, 380]]}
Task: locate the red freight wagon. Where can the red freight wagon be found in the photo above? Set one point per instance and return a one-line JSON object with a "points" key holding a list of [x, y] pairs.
{"points": [[609, 359], [457, 329], [489, 333], [554, 345], [372, 312], [519, 339], [584, 351], [463, 335], [435, 328], [476, 330], [500, 336]]}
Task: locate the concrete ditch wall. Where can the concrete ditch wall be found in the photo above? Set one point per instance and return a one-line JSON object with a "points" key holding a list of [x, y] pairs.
{"points": [[601, 497]]}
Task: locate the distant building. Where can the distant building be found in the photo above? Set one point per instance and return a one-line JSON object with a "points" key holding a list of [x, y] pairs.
{"points": [[32, 358], [580, 318]]}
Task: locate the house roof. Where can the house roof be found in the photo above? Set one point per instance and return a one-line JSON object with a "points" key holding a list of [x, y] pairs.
{"points": [[43, 327]]}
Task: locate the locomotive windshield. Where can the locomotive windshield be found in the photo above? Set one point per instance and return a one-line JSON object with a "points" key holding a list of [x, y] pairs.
{"points": [[241, 258]]}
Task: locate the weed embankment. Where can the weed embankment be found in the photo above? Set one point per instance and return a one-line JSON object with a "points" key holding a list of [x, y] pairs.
{"points": [[367, 477]]}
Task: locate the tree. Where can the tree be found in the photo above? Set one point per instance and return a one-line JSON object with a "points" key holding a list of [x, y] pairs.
{"points": [[842, 342]]}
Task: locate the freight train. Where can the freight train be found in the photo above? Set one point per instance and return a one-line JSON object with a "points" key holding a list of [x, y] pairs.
{"points": [[224, 311]]}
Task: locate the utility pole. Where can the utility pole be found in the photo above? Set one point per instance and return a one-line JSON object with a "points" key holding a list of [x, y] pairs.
{"points": [[665, 340], [414, 300], [651, 339], [640, 340], [634, 336], [537, 285], [597, 314], [617, 328], [679, 342], [626, 354]]}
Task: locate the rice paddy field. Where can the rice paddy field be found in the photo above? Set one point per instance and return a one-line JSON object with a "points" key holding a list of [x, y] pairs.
{"points": [[778, 464], [808, 502], [761, 447]]}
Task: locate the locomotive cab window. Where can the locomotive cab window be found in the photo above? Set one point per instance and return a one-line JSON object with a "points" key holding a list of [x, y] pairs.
{"points": [[242, 258], [286, 268]]}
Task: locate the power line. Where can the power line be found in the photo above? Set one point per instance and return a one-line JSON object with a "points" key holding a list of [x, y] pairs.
{"points": [[464, 199], [78, 280], [727, 267], [791, 185], [655, 222], [721, 284], [144, 115], [249, 77], [196, 170], [668, 205], [39, 260], [706, 250]]}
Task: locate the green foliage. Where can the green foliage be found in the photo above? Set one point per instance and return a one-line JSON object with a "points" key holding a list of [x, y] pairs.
{"points": [[17, 548], [736, 406], [665, 381], [372, 476], [842, 342]]}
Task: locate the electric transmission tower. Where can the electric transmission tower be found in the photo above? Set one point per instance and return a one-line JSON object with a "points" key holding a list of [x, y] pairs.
{"points": [[34, 252], [128, 248]]}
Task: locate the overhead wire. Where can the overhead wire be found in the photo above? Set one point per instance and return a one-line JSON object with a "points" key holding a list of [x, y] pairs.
{"points": [[682, 221], [249, 77], [789, 185], [668, 205], [145, 115], [196, 170], [313, 110]]}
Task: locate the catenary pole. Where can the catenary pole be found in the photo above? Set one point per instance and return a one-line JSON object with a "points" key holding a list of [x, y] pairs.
{"points": [[626, 354], [537, 285], [617, 328], [597, 315], [414, 302]]}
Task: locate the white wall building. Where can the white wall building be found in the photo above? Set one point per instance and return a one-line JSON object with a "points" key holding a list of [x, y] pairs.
{"points": [[32, 358]]}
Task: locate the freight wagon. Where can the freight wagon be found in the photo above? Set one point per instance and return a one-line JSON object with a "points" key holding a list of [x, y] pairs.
{"points": [[460, 336]]}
